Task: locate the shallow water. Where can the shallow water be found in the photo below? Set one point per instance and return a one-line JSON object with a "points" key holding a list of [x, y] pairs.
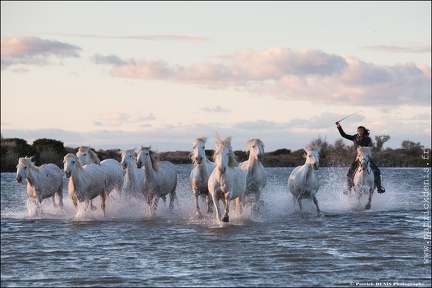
{"points": [[285, 247]]}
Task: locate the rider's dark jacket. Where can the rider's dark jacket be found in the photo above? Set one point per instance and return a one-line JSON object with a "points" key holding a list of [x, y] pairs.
{"points": [[358, 141]]}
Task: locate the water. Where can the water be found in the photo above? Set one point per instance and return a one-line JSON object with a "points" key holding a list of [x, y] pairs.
{"points": [[345, 246]]}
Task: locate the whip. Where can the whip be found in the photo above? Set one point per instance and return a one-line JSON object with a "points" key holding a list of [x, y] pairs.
{"points": [[349, 116]]}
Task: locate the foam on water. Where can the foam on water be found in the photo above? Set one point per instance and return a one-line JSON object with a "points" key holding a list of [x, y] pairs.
{"points": [[278, 203]]}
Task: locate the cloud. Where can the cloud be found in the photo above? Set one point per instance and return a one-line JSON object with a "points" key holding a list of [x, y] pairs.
{"points": [[168, 37], [400, 49], [117, 119], [311, 75], [216, 109], [110, 59], [27, 50]]}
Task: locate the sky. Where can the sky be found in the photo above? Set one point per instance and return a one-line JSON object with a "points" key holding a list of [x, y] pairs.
{"points": [[120, 75]]}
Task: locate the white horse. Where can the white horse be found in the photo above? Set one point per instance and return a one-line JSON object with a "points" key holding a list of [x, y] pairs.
{"points": [[364, 177], [256, 176], [303, 181], [86, 182], [227, 181], [160, 179], [42, 182], [200, 174], [134, 177], [112, 168]]}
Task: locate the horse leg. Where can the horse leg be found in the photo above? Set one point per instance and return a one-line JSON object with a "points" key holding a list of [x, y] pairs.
{"points": [[209, 203], [216, 205], [315, 201], [239, 202], [226, 201], [197, 209], [172, 198], [299, 201], [92, 207], [103, 195], [60, 196], [154, 205], [53, 200], [368, 205]]}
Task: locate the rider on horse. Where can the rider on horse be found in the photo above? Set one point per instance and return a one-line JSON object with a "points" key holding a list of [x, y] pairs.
{"points": [[361, 139]]}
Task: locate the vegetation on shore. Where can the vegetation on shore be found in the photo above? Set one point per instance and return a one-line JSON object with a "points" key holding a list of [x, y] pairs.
{"points": [[337, 155]]}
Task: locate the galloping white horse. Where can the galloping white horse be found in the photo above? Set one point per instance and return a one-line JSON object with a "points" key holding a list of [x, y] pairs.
{"points": [[86, 182], [160, 179], [364, 177], [200, 174], [42, 182], [112, 168], [227, 181], [256, 176], [134, 177], [303, 181]]}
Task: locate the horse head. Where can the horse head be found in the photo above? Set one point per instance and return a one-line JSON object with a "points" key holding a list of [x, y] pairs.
{"points": [[23, 168], [312, 156], [145, 158], [87, 156], [70, 161], [223, 155], [255, 148], [363, 155], [198, 150], [127, 158]]}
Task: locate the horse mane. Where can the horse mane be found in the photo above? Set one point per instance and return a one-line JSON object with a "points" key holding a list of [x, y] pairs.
{"points": [[201, 139], [232, 162], [27, 161], [311, 147], [365, 150], [93, 155], [249, 144]]}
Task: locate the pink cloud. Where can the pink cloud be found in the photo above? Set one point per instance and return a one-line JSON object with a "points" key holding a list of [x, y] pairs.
{"points": [[28, 50]]}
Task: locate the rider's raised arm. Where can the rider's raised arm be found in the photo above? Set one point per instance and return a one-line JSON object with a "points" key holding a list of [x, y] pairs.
{"points": [[344, 135]]}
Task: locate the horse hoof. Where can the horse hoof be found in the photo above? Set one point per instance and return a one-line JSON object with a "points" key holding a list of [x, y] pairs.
{"points": [[93, 208], [225, 219], [367, 207]]}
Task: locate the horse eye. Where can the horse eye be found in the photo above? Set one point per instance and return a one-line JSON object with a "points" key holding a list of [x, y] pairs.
{"points": [[73, 162], [203, 147]]}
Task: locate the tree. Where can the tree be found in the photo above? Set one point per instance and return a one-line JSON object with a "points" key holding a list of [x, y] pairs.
{"points": [[380, 140], [49, 151], [412, 148]]}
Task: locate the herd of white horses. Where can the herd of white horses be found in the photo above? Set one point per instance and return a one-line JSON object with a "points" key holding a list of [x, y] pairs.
{"points": [[221, 181]]}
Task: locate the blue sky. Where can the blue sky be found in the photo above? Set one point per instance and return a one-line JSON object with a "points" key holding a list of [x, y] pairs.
{"points": [[126, 74]]}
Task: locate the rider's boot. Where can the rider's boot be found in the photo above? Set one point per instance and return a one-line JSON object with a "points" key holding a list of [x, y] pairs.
{"points": [[378, 185], [350, 185]]}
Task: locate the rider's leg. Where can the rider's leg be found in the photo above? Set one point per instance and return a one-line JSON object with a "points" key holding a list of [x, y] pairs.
{"points": [[350, 175], [377, 177]]}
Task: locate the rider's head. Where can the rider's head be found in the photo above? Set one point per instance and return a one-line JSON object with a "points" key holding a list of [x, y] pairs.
{"points": [[362, 131]]}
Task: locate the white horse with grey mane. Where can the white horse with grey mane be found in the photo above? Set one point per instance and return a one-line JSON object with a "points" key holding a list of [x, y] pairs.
{"points": [[227, 182], [42, 182], [134, 177], [160, 179], [111, 167], [86, 182], [303, 181], [364, 177], [200, 174], [256, 175]]}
